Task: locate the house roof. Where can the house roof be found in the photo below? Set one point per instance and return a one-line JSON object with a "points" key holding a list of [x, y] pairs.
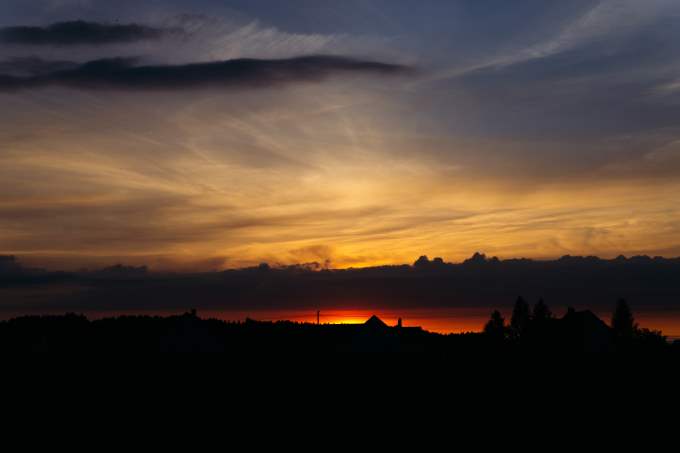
{"points": [[586, 318], [586, 331], [375, 322]]}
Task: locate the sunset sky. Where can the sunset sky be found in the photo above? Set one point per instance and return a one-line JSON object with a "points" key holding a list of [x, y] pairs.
{"points": [[358, 132]]}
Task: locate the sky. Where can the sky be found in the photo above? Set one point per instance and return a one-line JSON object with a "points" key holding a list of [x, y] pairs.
{"points": [[201, 135]]}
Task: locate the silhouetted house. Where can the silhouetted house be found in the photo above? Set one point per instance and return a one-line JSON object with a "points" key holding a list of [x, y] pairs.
{"points": [[583, 331], [374, 336], [375, 323]]}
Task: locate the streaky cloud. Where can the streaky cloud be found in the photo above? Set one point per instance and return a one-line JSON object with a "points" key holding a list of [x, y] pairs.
{"points": [[80, 32], [33, 66], [124, 74]]}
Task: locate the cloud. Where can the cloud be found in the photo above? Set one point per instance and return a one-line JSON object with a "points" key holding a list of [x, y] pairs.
{"points": [[80, 32], [605, 27], [123, 74], [56, 4], [32, 66], [665, 154]]}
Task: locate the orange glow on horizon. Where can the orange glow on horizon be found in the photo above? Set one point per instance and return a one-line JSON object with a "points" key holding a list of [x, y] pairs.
{"points": [[437, 320], [434, 320]]}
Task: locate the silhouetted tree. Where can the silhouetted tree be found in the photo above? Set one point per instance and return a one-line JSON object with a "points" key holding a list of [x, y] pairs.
{"points": [[495, 327], [651, 340], [623, 323], [578, 331], [541, 312], [521, 315]]}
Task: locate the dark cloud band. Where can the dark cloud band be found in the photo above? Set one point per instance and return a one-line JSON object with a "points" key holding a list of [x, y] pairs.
{"points": [[80, 32], [33, 66], [123, 74]]}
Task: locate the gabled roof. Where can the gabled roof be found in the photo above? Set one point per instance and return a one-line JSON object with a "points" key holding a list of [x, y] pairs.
{"points": [[375, 322], [585, 331], [587, 319]]}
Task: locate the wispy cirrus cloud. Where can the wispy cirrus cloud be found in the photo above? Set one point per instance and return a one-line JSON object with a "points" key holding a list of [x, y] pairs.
{"points": [[598, 29], [538, 114]]}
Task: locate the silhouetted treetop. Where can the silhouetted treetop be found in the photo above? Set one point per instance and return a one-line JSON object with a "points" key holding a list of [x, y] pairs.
{"points": [[623, 322], [495, 327], [541, 311], [521, 316], [577, 331]]}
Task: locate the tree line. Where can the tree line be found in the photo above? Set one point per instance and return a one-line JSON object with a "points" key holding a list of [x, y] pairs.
{"points": [[531, 324]]}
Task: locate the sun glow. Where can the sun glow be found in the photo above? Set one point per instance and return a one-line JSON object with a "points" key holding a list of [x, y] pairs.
{"points": [[434, 320]]}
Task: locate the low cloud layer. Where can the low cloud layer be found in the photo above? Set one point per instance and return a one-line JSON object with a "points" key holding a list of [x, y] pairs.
{"points": [[122, 73], [80, 32]]}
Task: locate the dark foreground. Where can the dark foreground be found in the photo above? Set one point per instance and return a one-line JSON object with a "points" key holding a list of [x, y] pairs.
{"points": [[576, 332]]}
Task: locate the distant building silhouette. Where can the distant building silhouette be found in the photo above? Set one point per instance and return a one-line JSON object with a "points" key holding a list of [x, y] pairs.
{"points": [[584, 331], [375, 323], [577, 332]]}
